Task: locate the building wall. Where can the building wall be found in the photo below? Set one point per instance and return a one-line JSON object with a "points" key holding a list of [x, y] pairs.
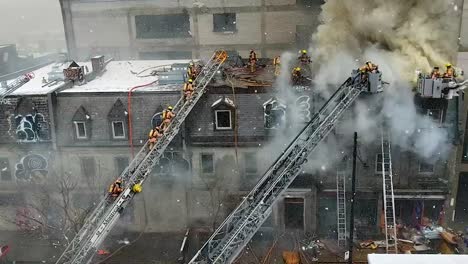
{"points": [[109, 28]]}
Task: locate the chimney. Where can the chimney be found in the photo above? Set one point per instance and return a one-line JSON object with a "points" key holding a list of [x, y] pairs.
{"points": [[97, 63]]}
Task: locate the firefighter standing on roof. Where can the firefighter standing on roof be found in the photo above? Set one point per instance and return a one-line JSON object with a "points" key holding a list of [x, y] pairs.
{"points": [[277, 64], [304, 58], [253, 61], [450, 71], [296, 75], [167, 116], [188, 89]]}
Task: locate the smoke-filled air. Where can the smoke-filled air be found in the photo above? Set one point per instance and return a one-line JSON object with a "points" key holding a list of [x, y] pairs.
{"points": [[401, 37]]}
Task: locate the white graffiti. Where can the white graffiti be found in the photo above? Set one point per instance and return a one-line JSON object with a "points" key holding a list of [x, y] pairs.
{"points": [[303, 108], [32, 167], [31, 128]]}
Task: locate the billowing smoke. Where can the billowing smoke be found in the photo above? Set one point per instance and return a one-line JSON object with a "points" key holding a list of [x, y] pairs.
{"points": [[401, 37], [418, 32]]}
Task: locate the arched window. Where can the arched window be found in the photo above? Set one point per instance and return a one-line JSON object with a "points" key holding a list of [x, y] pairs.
{"points": [[224, 112], [82, 124], [118, 121]]}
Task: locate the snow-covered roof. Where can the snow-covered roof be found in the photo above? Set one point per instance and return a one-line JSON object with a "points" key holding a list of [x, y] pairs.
{"points": [[121, 76], [36, 86]]}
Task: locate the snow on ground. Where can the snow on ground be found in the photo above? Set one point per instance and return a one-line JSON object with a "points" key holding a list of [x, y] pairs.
{"points": [[121, 76]]}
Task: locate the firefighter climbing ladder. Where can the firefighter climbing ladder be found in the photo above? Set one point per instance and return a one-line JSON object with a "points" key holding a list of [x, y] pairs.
{"points": [[240, 226], [84, 245], [388, 198], [16, 84], [341, 173]]}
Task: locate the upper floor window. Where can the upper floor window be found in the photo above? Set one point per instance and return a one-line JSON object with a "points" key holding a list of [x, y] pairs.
{"points": [[224, 114], [274, 113], [435, 114], [225, 22], [118, 120], [207, 163], [82, 123], [5, 172], [88, 167], [162, 26], [118, 130]]}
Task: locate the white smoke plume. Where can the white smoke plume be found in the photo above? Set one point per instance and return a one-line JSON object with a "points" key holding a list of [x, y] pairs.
{"points": [[401, 37]]}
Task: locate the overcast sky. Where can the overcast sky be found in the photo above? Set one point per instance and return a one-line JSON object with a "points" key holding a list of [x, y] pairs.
{"points": [[31, 22]]}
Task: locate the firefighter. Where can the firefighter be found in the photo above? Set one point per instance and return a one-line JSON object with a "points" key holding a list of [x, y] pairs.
{"points": [[253, 61], [116, 188], [192, 71], [369, 67], [188, 89], [450, 71], [277, 64], [435, 73], [153, 136], [167, 116], [304, 58], [296, 75]]}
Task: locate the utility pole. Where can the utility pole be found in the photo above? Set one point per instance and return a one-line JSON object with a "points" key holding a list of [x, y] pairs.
{"points": [[353, 195]]}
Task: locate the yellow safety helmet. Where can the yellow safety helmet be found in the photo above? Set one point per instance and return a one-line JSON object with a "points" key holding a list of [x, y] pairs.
{"points": [[137, 188], [190, 80], [448, 65], [191, 63], [297, 69], [170, 108], [304, 51], [367, 62]]}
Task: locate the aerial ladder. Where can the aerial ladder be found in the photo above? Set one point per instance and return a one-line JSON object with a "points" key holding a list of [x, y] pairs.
{"points": [[16, 84], [388, 197], [95, 229], [239, 227], [341, 174]]}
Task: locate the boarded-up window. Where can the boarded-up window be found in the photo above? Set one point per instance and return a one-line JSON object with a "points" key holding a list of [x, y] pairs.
{"points": [[224, 22], [250, 163], [207, 163], [162, 26], [5, 172]]}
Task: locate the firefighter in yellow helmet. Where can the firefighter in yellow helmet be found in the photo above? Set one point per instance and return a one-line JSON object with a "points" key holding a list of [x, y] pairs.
{"points": [[116, 188], [369, 67], [154, 136], [252, 61], [435, 73], [188, 89], [296, 75], [277, 64], [167, 116], [192, 71], [450, 71], [304, 59]]}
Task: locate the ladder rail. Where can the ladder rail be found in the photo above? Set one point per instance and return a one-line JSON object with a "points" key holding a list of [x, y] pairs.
{"points": [[341, 206], [254, 209], [103, 218]]}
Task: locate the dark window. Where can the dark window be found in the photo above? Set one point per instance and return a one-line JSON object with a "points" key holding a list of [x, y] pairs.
{"points": [[120, 164], [118, 130], [425, 167], [223, 119], [378, 164], [250, 163], [310, 3], [207, 163], [294, 213], [224, 22], [88, 167], [80, 128], [435, 114], [162, 26], [5, 171]]}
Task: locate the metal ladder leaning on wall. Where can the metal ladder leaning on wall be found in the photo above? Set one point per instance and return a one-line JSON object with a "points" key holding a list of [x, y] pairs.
{"points": [[388, 198], [239, 227], [341, 173], [84, 245]]}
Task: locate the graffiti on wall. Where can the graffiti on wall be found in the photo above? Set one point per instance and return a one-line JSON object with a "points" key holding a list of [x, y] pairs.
{"points": [[32, 167], [274, 114], [31, 127], [303, 108]]}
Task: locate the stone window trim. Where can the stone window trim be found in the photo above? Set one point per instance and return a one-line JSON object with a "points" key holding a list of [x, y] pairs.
{"points": [[116, 134], [207, 169], [80, 130]]}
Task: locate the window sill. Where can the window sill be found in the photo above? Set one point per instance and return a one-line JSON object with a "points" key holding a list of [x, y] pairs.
{"points": [[223, 129], [225, 32]]}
